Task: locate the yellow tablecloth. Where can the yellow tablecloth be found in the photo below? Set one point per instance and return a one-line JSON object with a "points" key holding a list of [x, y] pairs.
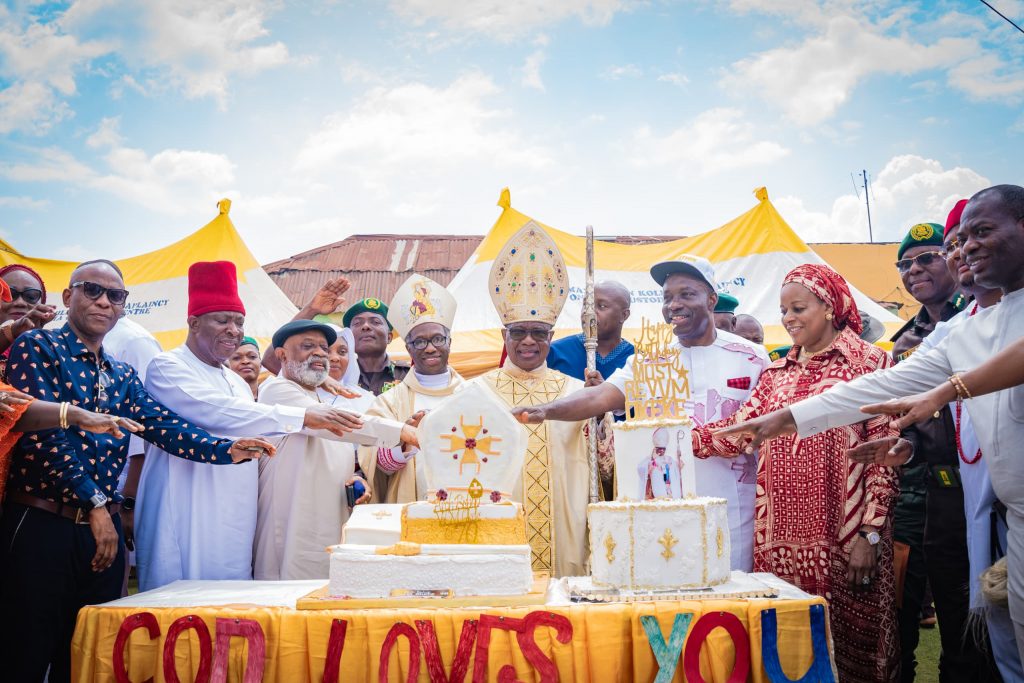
{"points": [[603, 642]]}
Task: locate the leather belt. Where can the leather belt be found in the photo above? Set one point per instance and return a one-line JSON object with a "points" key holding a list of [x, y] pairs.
{"points": [[75, 514]]}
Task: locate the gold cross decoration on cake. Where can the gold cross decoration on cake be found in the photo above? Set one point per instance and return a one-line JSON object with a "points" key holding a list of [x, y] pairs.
{"points": [[609, 547], [381, 514], [668, 541]]}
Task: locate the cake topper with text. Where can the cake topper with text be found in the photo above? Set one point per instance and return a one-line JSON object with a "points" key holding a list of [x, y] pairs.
{"points": [[660, 386]]}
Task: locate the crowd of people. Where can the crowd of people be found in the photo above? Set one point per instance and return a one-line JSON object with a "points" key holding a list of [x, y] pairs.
{"points": [[870, 479]]}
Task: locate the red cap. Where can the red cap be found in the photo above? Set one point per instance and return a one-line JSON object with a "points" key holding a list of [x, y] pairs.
{"points": [[953, 219], [213, 286]]}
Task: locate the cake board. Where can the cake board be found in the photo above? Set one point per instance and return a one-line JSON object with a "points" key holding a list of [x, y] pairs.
{"points": [[740, 586], [320, 600]]}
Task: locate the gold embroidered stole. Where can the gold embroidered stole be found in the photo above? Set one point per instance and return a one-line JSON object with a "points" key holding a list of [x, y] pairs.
{"points": [[531, 389]]}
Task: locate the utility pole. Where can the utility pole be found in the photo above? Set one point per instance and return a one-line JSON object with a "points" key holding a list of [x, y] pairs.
{"points": [[867, 202]]}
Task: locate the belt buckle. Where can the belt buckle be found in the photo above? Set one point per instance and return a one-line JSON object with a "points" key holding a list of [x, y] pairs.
{"points": [[79, 514]]}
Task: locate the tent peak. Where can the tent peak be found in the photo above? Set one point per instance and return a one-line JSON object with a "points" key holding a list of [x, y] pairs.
{"points": [[224, 206], [505, 198], [761, 193]]}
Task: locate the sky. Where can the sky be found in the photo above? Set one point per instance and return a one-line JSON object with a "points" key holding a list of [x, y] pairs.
{"points": [[123, 122]]}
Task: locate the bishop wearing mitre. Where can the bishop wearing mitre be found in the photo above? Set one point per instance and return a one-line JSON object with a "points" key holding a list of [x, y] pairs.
{"points": [[528, 284]]}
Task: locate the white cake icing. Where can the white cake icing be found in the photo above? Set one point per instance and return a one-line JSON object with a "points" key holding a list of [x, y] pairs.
{"points": [[666, 445], [659, 544], [469, 538], [358, 571], [373, 524]]}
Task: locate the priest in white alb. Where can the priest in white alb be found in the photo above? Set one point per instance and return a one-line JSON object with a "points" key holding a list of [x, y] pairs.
{"points": [[529, 284], [192, 522], [421, 312], [302, 502]]}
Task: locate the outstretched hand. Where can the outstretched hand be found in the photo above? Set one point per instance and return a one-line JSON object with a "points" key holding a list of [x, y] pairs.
{"points": [[760, 429], [333, 386], [250, 448], [101, 423], [330, 297], [917, 408], [530, 415], [890, 452]]}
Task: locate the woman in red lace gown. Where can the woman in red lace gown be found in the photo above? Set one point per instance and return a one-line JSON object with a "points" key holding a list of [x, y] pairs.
{"points": [[822, 521]]}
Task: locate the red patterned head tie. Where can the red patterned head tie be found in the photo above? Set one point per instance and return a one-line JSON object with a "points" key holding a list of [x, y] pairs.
{"points": [[830, 287]]}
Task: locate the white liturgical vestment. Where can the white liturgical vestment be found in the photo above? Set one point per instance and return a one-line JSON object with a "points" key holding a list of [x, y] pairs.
{"points": [[722, 376], [998, 418]]}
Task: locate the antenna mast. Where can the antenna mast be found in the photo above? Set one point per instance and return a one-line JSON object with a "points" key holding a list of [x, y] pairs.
{"points": [[867, 202]]}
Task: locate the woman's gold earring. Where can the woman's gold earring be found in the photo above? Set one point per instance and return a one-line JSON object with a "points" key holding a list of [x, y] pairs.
{"points": [[828, 316]]}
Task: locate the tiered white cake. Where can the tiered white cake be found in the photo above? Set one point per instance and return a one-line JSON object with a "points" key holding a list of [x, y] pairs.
{"points": [[657, 535], [468, 538]]}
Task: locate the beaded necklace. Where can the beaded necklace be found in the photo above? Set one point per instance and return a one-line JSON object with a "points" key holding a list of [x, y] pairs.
{"points": [[959, 408]]}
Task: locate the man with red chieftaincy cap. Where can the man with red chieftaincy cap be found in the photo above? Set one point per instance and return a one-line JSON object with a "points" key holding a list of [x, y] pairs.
{"points": [[192, 523]]}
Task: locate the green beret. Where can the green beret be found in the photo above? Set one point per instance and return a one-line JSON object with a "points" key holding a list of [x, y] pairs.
{"points": [[779, 352], [928, 234], [727, 303], [249, 340], [367, 305]]}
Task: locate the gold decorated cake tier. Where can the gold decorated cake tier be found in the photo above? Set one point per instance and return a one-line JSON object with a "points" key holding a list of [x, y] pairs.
{"points": [[476, 529]]}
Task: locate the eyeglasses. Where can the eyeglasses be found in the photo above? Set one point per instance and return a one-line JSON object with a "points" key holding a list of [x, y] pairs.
{"points": [[951, 247], [520, 333], [102, 382], [29, 295], [438, 341], [94, 291], [924, 260]]}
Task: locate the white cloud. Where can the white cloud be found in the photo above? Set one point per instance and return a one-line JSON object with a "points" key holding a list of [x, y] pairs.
{"points": [[392, 128], [987, 77], [810, 81], [166, 182], [195, 45], [716, 140], [30, 107], [42, 53], [910, 189], [617, 72], [678, 79], [23, 203], [531, 70], [107, 135], [504, 20]]}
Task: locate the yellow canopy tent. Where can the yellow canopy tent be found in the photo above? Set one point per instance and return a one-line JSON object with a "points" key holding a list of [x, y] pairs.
{"points": [[751, 254], [158, 282]]}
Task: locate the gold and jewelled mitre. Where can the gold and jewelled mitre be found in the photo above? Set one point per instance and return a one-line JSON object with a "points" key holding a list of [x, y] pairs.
{"points": [[420, 300], [528, 280]]}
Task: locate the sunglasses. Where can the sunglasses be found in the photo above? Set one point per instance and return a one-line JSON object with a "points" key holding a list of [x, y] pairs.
{"points": [[103, 381], [29, 295], [924, 260], [439, 341], [519, 334], [117, 297]]}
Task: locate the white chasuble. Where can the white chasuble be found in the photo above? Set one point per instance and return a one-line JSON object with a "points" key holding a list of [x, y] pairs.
{"points": [[554, 489]]}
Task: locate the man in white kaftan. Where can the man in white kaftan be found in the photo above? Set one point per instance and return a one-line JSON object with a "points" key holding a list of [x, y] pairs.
{"points": [[192, 523]]}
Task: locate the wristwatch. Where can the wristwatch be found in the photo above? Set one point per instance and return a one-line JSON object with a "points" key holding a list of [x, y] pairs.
{"points": [[872, 536], [128, 504], [99, 500]]}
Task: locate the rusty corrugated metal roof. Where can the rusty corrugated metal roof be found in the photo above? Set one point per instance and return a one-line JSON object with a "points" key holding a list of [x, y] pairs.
{"points": [[375, 264]]}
